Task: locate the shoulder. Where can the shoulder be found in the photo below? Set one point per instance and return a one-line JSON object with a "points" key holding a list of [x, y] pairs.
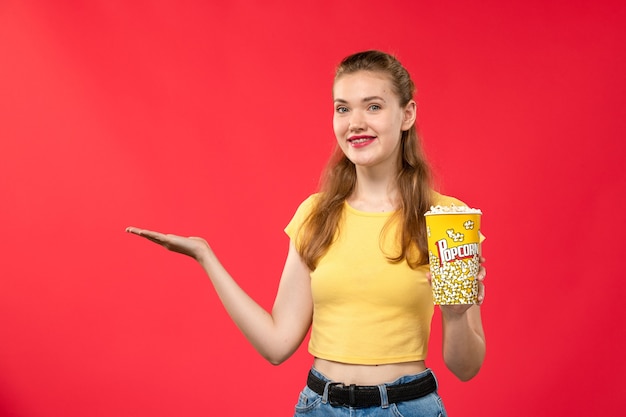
{"points": [[302, 213], [307, 205]]}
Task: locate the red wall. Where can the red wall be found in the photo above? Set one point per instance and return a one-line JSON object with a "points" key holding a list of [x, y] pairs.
{"points": [[215, 120]]}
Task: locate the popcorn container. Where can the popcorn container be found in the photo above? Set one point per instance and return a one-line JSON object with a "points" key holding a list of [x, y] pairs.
{"points": [[454, 253]]}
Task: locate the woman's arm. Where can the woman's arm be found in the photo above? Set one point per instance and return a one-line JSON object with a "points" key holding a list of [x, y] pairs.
{"points": [[275, 336], [463, 341], [463, 335]]}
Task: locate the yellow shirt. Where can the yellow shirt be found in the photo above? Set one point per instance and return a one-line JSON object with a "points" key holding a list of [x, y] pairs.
{"points": [[367, 310]]}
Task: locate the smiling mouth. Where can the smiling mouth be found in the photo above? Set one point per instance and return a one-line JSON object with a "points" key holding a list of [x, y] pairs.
{"points": [[360, 139]]}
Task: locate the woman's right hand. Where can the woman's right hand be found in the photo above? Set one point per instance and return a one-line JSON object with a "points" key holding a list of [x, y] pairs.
{"points": [[195, 247], [274, 335]]}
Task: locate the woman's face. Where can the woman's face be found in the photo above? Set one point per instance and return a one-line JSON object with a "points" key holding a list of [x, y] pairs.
{"points": [[368, 119]]}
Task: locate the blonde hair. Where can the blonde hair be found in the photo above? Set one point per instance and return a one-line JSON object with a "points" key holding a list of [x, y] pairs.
{"points": [[339, 179]]}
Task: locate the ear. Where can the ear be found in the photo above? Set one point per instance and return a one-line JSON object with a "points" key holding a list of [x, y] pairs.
{"points": [[409, 115]]}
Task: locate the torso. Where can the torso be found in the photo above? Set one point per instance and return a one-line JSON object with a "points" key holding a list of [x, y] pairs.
{"points": [[359, 374], [366, 374]]}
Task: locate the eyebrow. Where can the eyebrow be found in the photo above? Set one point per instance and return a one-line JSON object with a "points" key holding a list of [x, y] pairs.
{"points": [[365, 99]]}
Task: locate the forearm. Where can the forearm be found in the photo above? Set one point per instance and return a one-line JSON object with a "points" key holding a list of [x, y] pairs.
{"points": [[275, 338], [255, 322], [463, 342]]}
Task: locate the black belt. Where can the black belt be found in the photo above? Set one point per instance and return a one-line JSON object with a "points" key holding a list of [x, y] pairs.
{"points": [[359, 396]]}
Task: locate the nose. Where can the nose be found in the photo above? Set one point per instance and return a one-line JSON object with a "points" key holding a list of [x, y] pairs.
{"points": [[357, 122]]}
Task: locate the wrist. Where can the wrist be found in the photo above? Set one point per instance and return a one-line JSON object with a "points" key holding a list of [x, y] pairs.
{"points": [[204, 255], [454, 312]]}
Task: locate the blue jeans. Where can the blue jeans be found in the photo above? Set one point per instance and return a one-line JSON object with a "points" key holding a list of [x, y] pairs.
{"points": [[311, 404]]}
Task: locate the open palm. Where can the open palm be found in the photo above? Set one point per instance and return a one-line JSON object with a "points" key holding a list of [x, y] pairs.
{"points": [[194, 247]]}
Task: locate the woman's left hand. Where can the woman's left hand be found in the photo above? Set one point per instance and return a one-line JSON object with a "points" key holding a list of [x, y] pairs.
{"points": [[462, 308]]}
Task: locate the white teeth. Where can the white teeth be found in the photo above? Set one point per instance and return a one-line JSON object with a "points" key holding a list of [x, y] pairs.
{"points": [[360, 140]]}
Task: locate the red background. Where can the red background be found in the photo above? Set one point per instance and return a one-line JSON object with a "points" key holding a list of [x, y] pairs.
{"points": [[214, 119]]}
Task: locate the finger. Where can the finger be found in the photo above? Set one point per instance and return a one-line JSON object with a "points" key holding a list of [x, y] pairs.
{"points": [[148, 234], [429, 277], [138, 231], [481, 293], [482, 273]]}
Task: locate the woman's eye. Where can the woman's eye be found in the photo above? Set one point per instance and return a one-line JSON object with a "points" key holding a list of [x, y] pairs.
{"points": [[374, 107], [341, 109]]}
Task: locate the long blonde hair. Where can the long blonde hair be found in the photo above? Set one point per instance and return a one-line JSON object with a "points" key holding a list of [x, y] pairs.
{"points": [[413, 178]]}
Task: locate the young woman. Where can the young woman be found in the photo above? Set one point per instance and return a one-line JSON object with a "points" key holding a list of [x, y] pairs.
{"points": [[357, 266]]}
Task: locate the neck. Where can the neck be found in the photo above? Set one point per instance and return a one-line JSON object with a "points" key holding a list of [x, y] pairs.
{"points": [[374, 191]]}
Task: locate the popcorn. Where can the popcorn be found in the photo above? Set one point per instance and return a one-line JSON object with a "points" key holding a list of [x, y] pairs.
{"points": [[454, 282], [454, 253], [452, 209], [456, 237], [468, 225]]}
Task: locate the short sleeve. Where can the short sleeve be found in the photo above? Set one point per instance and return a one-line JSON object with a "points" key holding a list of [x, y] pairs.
{"points": [[293, 227]]}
